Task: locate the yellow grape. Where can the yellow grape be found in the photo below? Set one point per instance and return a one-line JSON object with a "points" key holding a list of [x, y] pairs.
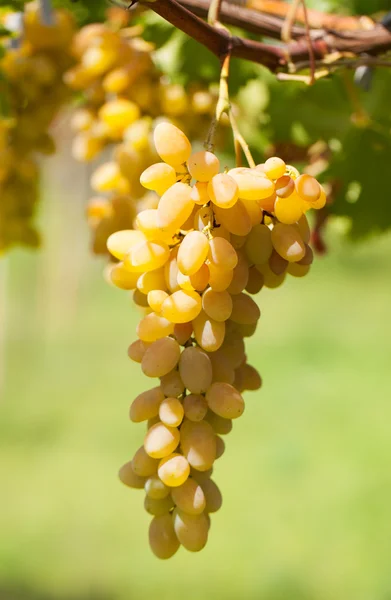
{"points": [[225, 400], [208, 333], [161, 440], [85, 147], [198, 443], [191, 530], [308, 188], [120, 242], [122, 278], [259, 245], [147, 256], [319, 203], [244, 310], [189, 497], [200, 279], [251, 378], [285, 186], [182, 332], [155, 488], [240, 275], [238, 241], [217, 305], [172, 384], [146, 405], [143, 465], [287, 241], [219, 279], [151, 280], [171, 412], [171, 144], [161, 357], [220, 425], [274, 167], [162, 537], [270, 279], [213, 497], [175, 207], [147, 222], [116, 81], [118, 114], [174, 99], [220, 448], [195, 370], [277, 264], [252, 183], [298, 270], [308, 258], [108, 177], [182, 306], [173, 470], [129, 477], [188, 225], [203, 165], [304, 229], [137, 350], [158, 508], [171, 271], [222, 254], [267, 204], [223, 190], [255, 281], [199, 193], [222, 371], [140, 299], [158, 177], [192, 252], [233, 349], [288, 210], [153, 327], [155, 300], [253, 210], [235, 219], [195, 407]]}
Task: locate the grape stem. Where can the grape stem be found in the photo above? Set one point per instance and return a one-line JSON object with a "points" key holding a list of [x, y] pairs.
{"points": [[373, 41], [239, 140]]}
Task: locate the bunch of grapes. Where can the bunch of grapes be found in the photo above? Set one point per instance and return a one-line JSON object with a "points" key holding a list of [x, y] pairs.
{"points": [[124, 96], [194, 263], [32, 93]]}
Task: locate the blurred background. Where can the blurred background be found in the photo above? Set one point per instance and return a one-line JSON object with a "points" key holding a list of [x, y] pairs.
{"points": [[306, 474]]}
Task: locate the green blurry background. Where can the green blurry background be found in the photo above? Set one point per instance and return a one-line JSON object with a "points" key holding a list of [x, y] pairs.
{"points": [[306, 474]]}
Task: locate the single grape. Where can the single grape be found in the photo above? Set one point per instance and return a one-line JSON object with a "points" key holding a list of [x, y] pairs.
{"points": [[171, 412], [225, 400], [171, 144], [195, 370], [162, 537], [189, 497], [161, 440], [203, 165], [223, 190], [161, 357], [173, 470]]}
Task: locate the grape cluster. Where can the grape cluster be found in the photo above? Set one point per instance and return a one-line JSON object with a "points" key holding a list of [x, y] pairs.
{"points": [[194, 263], [124, 96], [32, 93]]}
